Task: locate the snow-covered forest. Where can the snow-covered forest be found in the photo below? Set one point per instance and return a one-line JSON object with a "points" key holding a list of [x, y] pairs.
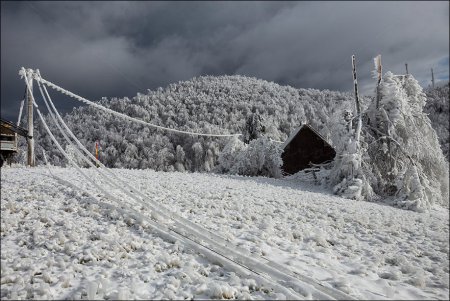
{"points": [[207, 104], [400, 156]]}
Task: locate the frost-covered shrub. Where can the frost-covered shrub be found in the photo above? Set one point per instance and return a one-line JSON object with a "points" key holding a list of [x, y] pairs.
{"points": [[198, 156], [228, 156], [75, 157], [260, 157], [347, 176], [180, 159]]}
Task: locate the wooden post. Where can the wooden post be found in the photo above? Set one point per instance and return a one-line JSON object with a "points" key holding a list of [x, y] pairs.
{"points": [[355, 85], [30, 141], [432, 78], [358, 115], [406, 65], [379, 71], [374, 119], [358, 105]]}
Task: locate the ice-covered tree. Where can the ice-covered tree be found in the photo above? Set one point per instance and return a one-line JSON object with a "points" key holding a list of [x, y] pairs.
{"points": [[260, 157], [198, 156], [228, 157], [75, 157], [179, 159], [347, 174], [406, 159], [254, 127]]}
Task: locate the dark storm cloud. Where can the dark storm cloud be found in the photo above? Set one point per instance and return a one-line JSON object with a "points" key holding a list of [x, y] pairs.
{"points": [[111, 49]]}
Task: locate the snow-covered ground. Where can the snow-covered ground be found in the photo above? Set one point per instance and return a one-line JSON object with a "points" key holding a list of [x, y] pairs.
{"points": [[59, 242]]}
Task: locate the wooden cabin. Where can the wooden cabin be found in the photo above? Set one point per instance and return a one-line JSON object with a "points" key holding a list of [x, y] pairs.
{"points": [[303, 147], [8, 139]]}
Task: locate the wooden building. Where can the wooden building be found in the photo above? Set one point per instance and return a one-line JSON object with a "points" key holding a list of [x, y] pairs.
{"points": [[303, 147], [8, 139]]}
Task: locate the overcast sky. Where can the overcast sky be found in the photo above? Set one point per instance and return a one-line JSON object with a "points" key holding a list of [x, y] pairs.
{"points": [[97, 49]]}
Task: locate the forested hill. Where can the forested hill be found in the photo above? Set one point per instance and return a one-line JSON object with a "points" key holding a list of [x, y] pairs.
{"points": [[206, 104]]}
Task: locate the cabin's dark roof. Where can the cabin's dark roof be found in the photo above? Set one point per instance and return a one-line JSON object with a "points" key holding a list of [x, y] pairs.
{"points": [[303, 147], [289, 139]]}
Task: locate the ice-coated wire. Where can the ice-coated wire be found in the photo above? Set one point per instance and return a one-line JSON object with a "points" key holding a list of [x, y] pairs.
{"points": [[163, 211], [60, 129], [66, 155], [142, 197], [100, 171], [20, 111], [71, 134]]}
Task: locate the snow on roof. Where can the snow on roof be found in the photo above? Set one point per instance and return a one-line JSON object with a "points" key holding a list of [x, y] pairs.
{"points": [[289, 139]]}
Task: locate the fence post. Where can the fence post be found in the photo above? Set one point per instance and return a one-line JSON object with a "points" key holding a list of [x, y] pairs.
{"points": [[30, 140]]}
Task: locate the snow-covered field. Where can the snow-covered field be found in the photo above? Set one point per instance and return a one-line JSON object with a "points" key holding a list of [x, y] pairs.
{"points": [[59, 242]]}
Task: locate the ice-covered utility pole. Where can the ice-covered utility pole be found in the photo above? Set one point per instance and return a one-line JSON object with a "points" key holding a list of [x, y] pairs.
{"points": [[432, 78], [30, 140], [358, 106]]}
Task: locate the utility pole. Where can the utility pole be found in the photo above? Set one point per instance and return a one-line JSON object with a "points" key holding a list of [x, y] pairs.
{"points": [[432, 78], [30, 141], [406, 65]]}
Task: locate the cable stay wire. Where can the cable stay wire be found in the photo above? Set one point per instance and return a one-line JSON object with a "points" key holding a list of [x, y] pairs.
{"points": [[20, 112], [70, 160], [98, 106], [21, 106], [74, 138], [101, 171], [122, 184], [142, 198]]}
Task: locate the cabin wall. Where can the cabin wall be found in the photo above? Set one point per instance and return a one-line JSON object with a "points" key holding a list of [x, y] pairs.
{"points": [[305, 148]]}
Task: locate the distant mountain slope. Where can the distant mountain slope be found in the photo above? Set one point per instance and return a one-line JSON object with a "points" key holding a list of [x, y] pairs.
{"points": [[204, 104], [438, 111]]}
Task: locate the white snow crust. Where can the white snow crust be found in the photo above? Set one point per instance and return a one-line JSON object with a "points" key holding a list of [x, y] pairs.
{"points": [[59, 242]]}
